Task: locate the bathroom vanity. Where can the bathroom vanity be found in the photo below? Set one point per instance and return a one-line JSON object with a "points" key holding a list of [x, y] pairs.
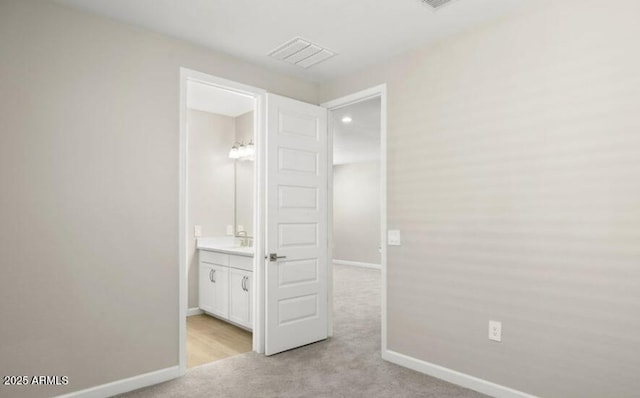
{"points": [[225, 280]]}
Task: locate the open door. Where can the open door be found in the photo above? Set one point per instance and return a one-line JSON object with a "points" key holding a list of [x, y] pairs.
{"points": [[296, 211]]}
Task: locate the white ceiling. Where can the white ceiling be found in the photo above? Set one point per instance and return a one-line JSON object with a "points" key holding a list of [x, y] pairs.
{"points": [[362, 32], [202, 97], [358, 141]]}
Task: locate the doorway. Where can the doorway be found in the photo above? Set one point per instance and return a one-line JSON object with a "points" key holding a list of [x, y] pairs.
{"points": [[356, 184], [357, 212], [219, 120], [286, 281]]}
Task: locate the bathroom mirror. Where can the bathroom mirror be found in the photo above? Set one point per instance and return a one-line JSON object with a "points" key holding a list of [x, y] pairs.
{"points": [[244, 198], [244, 170]]}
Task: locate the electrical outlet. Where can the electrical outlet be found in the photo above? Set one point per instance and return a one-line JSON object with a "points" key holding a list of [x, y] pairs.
{"points": [[495, 330], [197, 231], [230, 230]]}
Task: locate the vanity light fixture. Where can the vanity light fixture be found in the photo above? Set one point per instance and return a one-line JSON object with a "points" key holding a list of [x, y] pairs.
{"points": [[241, 151], [347, 119]]}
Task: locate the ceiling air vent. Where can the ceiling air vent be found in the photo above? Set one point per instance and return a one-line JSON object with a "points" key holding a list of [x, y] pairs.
{"points": [[301, 52], [435, 4]]}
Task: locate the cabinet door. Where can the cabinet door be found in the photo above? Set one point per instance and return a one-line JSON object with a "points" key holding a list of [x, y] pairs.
{"points": [[206, 297], [220, 291], [249, 286], [240, 297]]}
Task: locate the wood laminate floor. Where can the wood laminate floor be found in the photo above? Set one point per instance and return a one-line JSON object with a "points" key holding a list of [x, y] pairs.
{"points": [[210, 339]]}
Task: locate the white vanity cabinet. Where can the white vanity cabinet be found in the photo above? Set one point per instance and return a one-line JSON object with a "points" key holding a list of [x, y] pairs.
{"points": [[214, 289], [225, 283], [240, 296]]}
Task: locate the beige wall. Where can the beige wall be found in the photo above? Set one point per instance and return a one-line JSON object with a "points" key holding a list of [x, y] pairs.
{"points": [[89, 202], [210, 182], [514, 155], [356, 212]]}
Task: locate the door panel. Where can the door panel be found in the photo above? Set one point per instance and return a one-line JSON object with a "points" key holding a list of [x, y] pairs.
{"points": [[298, 235], [297, 198], [240, 297], [296, 287], [221, 291], [297, 309], [205, 288], [297, 271], [297, 161]]}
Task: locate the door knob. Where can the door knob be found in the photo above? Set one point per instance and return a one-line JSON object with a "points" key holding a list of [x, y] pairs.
{"points": [[274, 257]]}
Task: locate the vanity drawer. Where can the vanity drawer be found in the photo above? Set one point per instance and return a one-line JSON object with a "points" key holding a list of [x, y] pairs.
{"points": [[214, 257], [241, 262]]}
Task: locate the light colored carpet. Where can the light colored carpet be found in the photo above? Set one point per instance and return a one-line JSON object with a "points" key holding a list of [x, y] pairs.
{"points": [[347, 365]]}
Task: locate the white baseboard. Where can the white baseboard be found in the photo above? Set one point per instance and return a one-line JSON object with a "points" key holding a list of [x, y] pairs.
{"points": [[125, 385], [194, 311], [357, 264], [453, 376]]}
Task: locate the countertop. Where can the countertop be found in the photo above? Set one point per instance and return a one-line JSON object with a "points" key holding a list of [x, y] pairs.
{"points": [[225, 244]]}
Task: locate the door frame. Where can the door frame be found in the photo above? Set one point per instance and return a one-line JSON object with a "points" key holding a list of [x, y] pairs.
{"points": [[373, 92], [258, 94]]}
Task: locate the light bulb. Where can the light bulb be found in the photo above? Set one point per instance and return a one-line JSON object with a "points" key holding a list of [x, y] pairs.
{"points": [[347, 120], [251, 150], [234, 153], [242, 151]]}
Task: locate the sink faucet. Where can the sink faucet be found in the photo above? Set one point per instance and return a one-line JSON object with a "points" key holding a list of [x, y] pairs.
{"points": [[244, 239]]}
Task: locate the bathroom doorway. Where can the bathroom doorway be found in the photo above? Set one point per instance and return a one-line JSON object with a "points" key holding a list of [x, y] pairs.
{"points": [[219, 121]]}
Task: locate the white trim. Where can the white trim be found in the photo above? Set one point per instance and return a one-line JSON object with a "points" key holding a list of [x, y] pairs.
{"points": [[183, 299], [329, 222], [377, 91], [126, 385], [453, 376], [224, 84], [357, 264], [383, 211], [259, 206], [187, 75], [194, 311]]}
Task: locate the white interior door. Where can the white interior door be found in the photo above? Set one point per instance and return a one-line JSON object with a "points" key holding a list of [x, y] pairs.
{"points": [[296, 282]]}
